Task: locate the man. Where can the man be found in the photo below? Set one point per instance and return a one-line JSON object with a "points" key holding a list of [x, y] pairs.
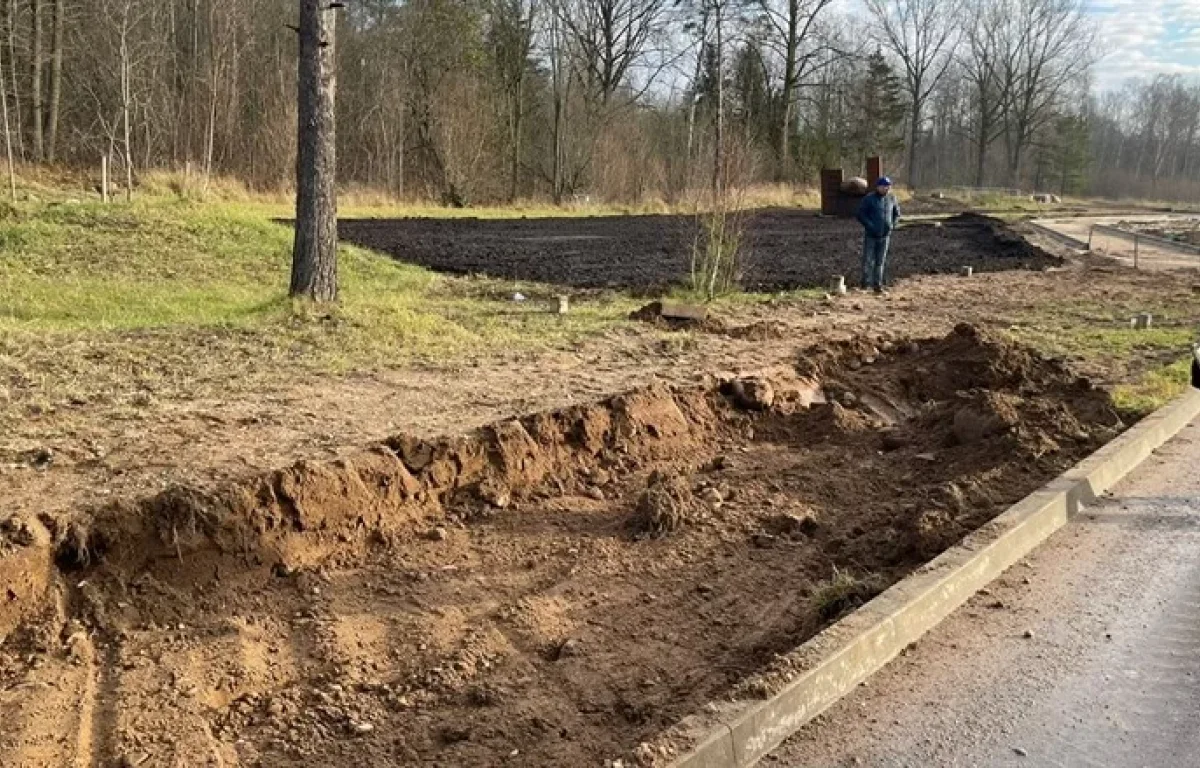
{"points": [[878, 213]]}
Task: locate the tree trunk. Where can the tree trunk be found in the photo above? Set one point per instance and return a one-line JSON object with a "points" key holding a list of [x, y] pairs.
{"points": [[517, 117], [13, 80], [788, 86], [126, 102], [8, 148], [914, 134], [56, 73], [719, 133], [314, 254], [35, 81], [981, 148]]}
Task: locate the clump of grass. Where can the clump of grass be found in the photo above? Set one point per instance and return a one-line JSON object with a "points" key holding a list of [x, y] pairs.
{"points": [[1155, 389], [842, 592]]}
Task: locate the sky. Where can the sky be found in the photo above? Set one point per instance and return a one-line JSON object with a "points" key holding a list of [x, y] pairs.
{"points": [[1143, 38]]}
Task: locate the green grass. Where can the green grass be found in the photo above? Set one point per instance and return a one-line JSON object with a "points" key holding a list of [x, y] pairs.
{"points": [[1147, 367], [174, 293]]}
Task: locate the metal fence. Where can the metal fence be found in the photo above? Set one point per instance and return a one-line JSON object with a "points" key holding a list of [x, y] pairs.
{"points": [[1102, 237]]}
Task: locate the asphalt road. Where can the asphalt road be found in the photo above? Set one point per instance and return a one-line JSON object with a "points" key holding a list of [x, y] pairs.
{"points": [[1085, 654]]}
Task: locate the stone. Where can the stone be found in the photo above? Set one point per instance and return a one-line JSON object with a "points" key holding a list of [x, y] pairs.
{"points": [[675, 310], [753, 394], [570, 648]]}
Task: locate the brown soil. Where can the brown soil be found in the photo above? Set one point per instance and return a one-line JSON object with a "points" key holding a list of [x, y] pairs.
{"points": [[493, 598], [786, 249]]}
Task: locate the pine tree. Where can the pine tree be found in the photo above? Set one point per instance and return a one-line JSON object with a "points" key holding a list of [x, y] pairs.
{"points": [[878, 110]]}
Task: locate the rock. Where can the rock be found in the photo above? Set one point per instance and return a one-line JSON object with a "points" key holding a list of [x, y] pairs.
{"points": [[570, 648], [439, 534], [753, 394], [498, 495], [1028, 634], [892, 441], [595, 493], [849, 399], [713, 496], [930, 457], [763, 540], [1020, 752], [718, 463], [792, 524]]}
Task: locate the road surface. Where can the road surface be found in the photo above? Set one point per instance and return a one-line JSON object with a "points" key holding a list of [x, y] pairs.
{"points": [[1085, 654]]}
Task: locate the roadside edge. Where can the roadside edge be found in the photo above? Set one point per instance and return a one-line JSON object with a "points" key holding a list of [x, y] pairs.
{"points": [[847, 653]]}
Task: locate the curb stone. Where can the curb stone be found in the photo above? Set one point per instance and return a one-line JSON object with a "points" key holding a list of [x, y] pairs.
{"points": [[850, 651]]}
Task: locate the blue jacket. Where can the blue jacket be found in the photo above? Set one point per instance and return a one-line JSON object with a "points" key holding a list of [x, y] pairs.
{"points": [[878, 214]]}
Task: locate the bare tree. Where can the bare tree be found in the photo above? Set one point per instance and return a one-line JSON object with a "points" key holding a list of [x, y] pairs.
{"points": [[37, 116], [512, 32], [126, 64], [792, 23], [982, 62], [314, 253], [8, 147], [56, 76], [923, 35], [1049, 48], [611, 39]]}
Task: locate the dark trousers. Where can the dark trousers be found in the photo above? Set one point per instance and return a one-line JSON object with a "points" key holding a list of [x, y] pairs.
{"points": [[874, 261]]}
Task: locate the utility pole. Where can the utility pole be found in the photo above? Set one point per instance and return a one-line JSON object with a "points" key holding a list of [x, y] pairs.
{"points": [[314, 252]]}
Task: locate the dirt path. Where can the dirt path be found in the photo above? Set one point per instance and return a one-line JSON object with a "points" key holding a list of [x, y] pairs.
{"points": [[1107, 677]]}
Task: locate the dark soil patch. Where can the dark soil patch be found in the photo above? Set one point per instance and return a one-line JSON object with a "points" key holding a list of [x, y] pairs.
{"points": [[786, 249]]}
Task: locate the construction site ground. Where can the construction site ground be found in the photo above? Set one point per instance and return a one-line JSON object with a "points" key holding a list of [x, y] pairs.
{"points": [[631, 561], [1084, 654], [782, 249]]}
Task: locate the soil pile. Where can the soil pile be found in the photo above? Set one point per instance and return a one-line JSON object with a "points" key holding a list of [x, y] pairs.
{"points": [[479, 600]]}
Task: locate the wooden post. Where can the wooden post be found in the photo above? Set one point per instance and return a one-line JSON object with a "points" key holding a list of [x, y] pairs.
{"points": [[104, 178], [1135, 251], [1091, 232]]}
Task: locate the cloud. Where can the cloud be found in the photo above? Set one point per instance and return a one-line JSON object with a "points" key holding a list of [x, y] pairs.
{"points": [[1143, 38]]}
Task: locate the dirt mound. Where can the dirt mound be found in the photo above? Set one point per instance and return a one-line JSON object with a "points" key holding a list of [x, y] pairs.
{"points": [[478, 599], [667, 505]]}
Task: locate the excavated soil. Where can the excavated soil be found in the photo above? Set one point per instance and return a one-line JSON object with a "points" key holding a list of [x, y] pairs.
{"points": [[786, 249], [548, 591]]}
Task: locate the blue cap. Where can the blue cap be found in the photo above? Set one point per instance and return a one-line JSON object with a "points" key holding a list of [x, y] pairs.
{"points": [[883, 181]]}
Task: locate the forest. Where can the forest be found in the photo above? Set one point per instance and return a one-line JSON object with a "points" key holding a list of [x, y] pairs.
{"points": [[467, 102]]}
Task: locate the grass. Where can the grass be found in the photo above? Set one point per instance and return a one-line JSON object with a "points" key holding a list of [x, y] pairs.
{"points": [[1147, 367], [842, 592], [175, 293]]}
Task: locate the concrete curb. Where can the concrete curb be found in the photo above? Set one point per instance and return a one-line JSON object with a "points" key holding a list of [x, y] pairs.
{"points": [[1068, 240], [847, 653]]}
